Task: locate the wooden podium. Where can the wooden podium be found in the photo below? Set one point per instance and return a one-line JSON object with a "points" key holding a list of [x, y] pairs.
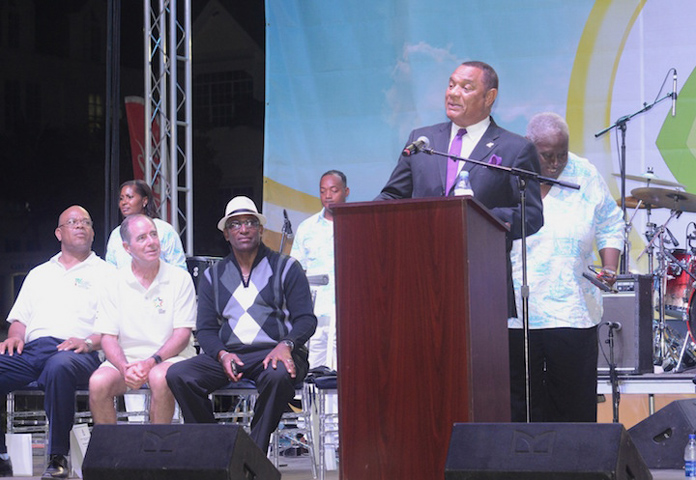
{"points": [[421, 297]]}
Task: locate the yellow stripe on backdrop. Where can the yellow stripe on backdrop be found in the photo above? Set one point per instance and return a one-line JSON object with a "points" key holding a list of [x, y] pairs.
{"points": [[299, 205], [590, 90]]}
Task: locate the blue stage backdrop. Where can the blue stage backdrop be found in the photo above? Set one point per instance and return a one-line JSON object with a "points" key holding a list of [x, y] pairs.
{"points": [[347, 81]]}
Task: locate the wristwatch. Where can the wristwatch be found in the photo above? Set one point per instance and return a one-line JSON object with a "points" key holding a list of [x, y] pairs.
{"points": [[157, 358], [90, 344], [289, 343]]}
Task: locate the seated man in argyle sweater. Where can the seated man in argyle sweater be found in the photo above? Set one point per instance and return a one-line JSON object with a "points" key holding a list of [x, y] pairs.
{"points": [[254, 317]]}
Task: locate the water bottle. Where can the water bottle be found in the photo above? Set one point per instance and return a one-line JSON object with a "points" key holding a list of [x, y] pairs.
{"points": [[690, 458], [463, 185]]}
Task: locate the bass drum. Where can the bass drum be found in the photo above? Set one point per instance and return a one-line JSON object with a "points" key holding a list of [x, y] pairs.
{"points": [[198, 265], [680, 285], [675, 348], [691, 320]]}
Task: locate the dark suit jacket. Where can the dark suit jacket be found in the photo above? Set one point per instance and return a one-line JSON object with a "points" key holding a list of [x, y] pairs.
{"points": [[424, 175]]}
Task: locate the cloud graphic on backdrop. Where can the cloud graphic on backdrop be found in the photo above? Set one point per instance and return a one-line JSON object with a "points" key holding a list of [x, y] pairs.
{"points": [[521, 112], [415, 99], [419, 80]]}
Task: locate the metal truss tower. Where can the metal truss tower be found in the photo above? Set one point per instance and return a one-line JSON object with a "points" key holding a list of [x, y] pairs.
{"points": [[168, 112]]}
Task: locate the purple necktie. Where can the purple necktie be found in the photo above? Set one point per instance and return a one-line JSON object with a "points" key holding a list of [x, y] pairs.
{"points": [[453, 163]]}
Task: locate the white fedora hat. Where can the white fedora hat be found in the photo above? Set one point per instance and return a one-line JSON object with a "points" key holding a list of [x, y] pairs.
{"points": [[240, 206]]}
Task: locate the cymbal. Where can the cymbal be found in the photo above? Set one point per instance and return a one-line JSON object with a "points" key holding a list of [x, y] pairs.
{"points": [[651, 179], [631, 202], [666, 198]]}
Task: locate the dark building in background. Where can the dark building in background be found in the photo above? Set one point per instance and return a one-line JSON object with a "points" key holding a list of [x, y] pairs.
{"points": [[228, 51], [52, 85]]}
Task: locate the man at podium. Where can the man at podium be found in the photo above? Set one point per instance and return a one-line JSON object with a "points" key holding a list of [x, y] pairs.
{"points": [[472, 133]]}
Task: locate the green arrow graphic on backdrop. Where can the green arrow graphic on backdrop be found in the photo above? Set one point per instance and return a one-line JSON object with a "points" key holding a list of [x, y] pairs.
{"points": [[677, 139]]}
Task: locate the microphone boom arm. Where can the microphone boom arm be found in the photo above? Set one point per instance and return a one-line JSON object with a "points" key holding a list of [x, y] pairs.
{"points": [[620, 124], [518, 172]]}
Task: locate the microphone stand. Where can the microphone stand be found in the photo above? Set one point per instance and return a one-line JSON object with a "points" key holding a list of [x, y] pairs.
{"points": [[286, 231], [613, 376], [661, 275], [621, 125], [523, 177]]}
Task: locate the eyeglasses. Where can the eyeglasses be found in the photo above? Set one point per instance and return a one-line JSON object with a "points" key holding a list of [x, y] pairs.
{"points": [[75, 222], [558, 157], [237, 224]]}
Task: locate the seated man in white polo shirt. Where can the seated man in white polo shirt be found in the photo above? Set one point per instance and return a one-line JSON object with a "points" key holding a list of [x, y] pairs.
{"points": [[146, 316], [51, 340]]}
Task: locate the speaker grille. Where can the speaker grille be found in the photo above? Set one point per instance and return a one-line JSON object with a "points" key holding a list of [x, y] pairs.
{"points": [[175, 452], [662, 436], [632, 308], [543, 451]]}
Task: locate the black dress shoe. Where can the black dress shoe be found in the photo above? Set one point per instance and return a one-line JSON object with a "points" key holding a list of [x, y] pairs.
{"points": [[6, 467], [57, 468]]}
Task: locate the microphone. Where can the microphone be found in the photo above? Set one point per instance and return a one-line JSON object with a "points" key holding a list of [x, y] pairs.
{"points": [[672, 238], [287, 227], [674, 93], [613, 325], [603, 286], [417, 146]]}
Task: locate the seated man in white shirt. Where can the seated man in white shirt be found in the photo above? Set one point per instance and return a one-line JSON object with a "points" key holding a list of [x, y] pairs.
{"points": [[145, 317], [51, 340]]}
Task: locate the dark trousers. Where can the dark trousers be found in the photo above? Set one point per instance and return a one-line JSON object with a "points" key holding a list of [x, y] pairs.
{"points": [[563, 373], [58, 374], [192, 380]]}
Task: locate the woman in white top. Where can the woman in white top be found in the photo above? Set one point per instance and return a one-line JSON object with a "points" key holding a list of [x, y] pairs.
{"points": [[136, 197]]}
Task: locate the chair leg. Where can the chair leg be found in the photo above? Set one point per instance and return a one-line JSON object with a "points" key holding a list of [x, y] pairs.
{"points": [[322, 432], [275, 448], [33, 422], [327, 426], [301, 417]]}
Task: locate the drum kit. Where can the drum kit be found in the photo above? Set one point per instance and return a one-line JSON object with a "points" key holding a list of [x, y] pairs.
{"points": [[673, 269]]}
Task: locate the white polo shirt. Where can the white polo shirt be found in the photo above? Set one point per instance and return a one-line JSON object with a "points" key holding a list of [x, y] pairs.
{"points": [[59, 302], [144, 318]]}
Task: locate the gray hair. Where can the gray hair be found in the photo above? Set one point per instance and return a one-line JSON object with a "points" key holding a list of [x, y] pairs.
{"points": [[542, 124], [125, 226]]}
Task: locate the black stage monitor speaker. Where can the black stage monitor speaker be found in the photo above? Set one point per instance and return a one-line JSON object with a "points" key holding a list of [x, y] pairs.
{"points": [[662, 436], [543, 451], [175, 452], [632, 308]]}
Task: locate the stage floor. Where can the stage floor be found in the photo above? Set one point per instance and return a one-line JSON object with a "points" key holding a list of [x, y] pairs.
{"points": [[294, 468], [650, 383], [291, 468], [300, 469], [663, 474]]}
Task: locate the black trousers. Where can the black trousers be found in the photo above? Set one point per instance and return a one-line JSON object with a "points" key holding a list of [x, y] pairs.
{"points": [[192, 380], [58, 374], [563, 373]]}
